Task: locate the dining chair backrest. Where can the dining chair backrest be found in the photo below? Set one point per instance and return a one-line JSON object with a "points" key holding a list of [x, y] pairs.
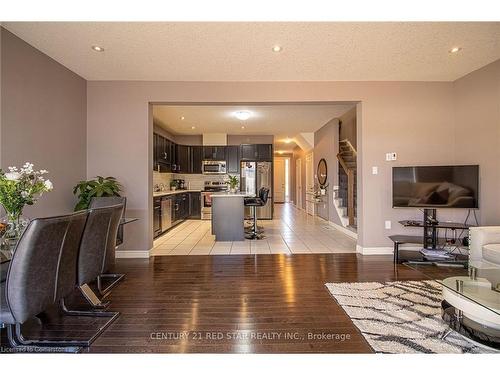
{"points": [[43, 266], [98, 202], [98, 242]]}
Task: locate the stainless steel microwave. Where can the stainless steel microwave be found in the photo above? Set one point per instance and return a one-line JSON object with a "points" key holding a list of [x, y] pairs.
{"points": [[214, 167]]}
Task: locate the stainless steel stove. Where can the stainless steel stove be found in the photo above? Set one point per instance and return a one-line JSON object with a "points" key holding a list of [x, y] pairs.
{"points": [[206, 199]]}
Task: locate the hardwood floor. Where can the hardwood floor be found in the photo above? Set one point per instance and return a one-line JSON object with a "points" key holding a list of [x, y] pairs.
{"points": [[226, 295], [233, 304]]}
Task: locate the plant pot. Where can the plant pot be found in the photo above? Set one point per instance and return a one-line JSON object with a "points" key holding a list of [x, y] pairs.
{"points": [[232, 190]]}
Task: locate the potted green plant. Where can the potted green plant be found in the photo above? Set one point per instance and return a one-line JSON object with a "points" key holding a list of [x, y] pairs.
{"points": [[233, 183], [20, 187], [173, 185], [98, 187]]}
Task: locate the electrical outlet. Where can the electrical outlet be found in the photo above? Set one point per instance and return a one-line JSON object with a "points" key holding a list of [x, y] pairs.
{"points": [[374, 170], [388, 224], [394, 156]]}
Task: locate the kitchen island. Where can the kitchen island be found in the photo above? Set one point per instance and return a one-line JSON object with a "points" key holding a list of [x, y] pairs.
{"points": [[228, 212]]}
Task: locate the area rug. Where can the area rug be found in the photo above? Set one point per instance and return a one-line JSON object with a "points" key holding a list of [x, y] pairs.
{"points": [[401, 317]]}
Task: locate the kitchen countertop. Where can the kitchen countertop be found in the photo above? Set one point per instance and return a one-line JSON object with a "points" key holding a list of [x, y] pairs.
{"points": [[170, 192], [227, 194]]}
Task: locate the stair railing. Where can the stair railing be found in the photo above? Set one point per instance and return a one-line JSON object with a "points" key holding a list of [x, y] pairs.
{"points": [[350, 181]]}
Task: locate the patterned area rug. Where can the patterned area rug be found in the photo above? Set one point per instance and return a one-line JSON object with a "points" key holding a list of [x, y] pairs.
{"points": [[400, 317]]}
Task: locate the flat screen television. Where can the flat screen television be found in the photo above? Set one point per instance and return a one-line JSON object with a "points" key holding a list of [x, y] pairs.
{"points": [[454, 186]]}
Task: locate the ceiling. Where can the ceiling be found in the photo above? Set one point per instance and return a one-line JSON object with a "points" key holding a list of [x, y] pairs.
{"points": [[284, 121], [223, 51]]}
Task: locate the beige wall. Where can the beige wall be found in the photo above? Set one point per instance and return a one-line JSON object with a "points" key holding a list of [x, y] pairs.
{"points": [[477, 137], [414, 119], [326, 144], [43, 120], [348, 127]]}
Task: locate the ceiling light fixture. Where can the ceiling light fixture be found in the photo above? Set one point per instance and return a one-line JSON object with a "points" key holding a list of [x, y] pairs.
{"points": [[193, 127], [242, 115], [98, 49], [243, 127], [280, 152], [182, 117], [287, 140], [277, 48], [455, 50]]}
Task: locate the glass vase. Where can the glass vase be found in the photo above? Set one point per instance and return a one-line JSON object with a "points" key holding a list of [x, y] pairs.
{"points": [[13, 227]]}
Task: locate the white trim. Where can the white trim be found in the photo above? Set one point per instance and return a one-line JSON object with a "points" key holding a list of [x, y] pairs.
{"points": [[344, 230], [132, 253], [374, 250]]}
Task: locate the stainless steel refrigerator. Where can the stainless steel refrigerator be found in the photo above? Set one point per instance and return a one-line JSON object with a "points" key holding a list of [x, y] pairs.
{"points": [[253, 176]]}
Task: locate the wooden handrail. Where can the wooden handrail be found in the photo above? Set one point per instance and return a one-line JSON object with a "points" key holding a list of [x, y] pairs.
{"points": [[350, 185], [350, 146]]}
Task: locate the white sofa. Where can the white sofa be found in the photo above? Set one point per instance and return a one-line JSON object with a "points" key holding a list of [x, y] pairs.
{"points": [[484, 246]]}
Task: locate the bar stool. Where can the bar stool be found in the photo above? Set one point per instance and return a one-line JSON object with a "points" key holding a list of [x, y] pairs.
{"points": [[255, 202]]}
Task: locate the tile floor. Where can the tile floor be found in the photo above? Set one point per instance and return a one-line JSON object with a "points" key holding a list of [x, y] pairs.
{"points": [[291, 232]]}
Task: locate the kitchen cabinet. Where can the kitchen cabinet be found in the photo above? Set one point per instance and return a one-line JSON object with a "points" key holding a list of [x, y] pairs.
{"points": [[260, 152], [265, 152], [214, 153], [163, 153], [196, 159], [183, 159], [233, 159], [181, 206], [195, 205]]}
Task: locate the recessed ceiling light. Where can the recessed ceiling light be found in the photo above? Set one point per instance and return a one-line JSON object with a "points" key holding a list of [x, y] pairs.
{"points": [[193, 127], [182, 117], [280, 152], [243, 127], [277, 48], [242, 115], [287, 140], [98, 49], [455, 50]]}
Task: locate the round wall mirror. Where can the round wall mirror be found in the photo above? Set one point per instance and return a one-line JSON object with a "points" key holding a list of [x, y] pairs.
{"points": [[322, 172]]}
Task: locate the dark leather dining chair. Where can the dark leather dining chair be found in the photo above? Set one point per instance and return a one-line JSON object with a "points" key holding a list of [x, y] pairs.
{"points": [[259, 201], [42, 272], [97, 249], [98, 202]]}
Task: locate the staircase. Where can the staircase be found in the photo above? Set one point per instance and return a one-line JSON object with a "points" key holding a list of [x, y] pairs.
{"points": [[345, 196]]}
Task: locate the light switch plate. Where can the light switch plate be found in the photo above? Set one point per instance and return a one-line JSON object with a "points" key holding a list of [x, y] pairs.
{"points": [[388, 224], [374, 170], [391, 156]]}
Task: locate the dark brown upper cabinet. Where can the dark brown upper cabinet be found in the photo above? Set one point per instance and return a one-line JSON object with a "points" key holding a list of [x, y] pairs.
{"points": [[214, 153], [196, 159], [183, 159], [262, 152], [233, 159]]}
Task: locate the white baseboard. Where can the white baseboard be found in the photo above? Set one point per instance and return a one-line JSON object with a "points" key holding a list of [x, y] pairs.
{"points": [[346, 231], [374, 250], [132, 253]]}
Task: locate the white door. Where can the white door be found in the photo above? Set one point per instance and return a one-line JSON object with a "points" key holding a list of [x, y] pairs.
{"points": [[279, 180], [298, 183], [310, 184]]}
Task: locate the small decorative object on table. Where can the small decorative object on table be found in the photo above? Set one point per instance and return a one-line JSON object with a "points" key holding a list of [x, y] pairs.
{"points": [[173, 185], [233, 183], [98, 187], [19, 187]]}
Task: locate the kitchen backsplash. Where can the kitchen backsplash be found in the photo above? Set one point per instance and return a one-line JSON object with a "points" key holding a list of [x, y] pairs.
{"points": [[193, 181]]}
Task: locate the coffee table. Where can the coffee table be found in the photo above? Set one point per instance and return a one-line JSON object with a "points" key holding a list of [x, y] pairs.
{"points": [[471, 304]]}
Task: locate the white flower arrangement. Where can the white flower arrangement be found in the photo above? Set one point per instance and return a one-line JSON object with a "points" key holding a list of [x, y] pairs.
{"points": [[20, 187]]}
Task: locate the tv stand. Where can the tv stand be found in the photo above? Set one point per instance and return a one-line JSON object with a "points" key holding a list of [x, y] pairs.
{"points": [[429, 240]]}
